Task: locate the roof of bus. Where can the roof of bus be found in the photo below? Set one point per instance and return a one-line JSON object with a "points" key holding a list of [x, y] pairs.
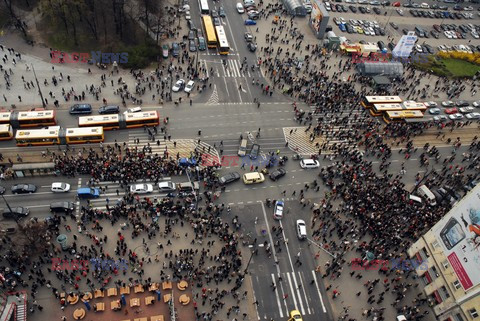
{"points": [[5, 127], [84, 131], [404, 113], [383, 99], [5, 116], [98, 119], [387, 106], [413, 104], [141, 115], [222, 37], [36, 114], [49, 132]]}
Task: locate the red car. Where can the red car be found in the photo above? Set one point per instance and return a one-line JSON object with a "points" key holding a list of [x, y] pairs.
{"points": [[396, 4], [453, 110]]}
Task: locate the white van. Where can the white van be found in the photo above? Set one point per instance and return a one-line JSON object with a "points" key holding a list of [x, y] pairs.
{"points": [[301, 230], [415, 198], [427, 194]]}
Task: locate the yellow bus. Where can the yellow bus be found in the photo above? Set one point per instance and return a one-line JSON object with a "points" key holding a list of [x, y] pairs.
{"points": [[390, 116], [413, 105], [44, 136], [55, 135], [108, 122], [209, 32], [6, 132], [142, 119], [84, 135], [24, 119], [379, 109], [368, 101], [223, 46]]}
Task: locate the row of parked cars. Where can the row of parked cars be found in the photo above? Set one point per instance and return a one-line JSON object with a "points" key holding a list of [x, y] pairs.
{"points": [[441, 14], [369, 28], [465, 48], [455, 110]]}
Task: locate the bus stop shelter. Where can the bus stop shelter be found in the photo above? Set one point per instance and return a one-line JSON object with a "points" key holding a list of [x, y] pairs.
{"points": [[33, 169], [295, 7]]}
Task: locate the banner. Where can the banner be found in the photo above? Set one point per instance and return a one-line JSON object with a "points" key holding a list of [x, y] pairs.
{"points": [[404, 47]]}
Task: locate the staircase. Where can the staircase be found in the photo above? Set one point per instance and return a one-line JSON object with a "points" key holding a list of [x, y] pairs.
{"points": [[13, 308]]}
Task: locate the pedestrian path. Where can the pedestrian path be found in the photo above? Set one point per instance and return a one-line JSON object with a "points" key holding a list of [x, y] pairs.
{"points": [[292, 291], [299, 141], [174, 148], [232, 70]]}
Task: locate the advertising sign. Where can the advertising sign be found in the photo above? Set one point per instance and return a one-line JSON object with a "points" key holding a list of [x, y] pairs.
{"points": [[316, 16], [459, 235], [405, 46]]}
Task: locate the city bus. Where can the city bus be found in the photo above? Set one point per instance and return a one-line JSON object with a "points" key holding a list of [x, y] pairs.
{"points": [[55, 135], [413, 105], [379, 109], [83, 135], [203, 4], [25, 119], [5, 117], [223, 47], [6, 132], [368, 101], [108, 122], [209, 32], [142, 119], [403, 115]]}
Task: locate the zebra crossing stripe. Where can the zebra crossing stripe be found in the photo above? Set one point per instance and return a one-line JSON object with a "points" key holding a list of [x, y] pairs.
{"points": [[279, 303]]}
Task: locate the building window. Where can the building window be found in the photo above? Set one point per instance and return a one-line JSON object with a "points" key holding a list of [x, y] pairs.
{"points": [[434, 273], [424, 254], [445, 264], [444, 293], [458, 317], [435, 244], [456, 285], [473, 313]]}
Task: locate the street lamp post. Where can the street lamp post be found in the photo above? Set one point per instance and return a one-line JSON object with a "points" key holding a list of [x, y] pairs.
{"points": [[249, 261], [38, 86], [8, 205]]}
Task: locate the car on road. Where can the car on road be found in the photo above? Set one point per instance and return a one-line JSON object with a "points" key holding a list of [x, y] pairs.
{"points": [[141, 188], [473, 116], [178, 85], [221, 12], [229, 178], [309, 163], [133, 110], [250, 22], [62, 207], [254, 151], [23, 188], [192, 46], [175, 49], [253, 178], [202, 45], [301, 232], [277, 173], [81, 109], [189, 87], [452, 110], [434, 111], [251, 46], [466, 110], [455, 116], [60, 187], [462, 103], [248, 37], [16, 212], [191, 35], [111, 109], [278, 210], [216, 21], [165, 187], [448, 103], [88, 192], [240, 8]]}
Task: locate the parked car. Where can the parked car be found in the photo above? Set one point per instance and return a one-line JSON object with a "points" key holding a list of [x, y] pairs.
{"points": [[16, 212], [472, 115], [434, 111], [221, 12], [462, 103], [251, 46], [110, 109], [448, 103], [452, 110], [189, 86], [178, 85], [240, 8], [248, 37], [466, 110], [250, 22], [455, 116]]}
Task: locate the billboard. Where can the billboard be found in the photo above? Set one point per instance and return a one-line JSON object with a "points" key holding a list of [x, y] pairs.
{"points": [[459, 235], [404, 47]]}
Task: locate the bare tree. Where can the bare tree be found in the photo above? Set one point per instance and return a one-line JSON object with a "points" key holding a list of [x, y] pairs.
{"points": [[19, 24]]}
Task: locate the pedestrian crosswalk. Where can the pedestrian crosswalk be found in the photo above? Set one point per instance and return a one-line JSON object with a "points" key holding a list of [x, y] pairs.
{"points": [[299, 140], [173, 147], [232, 69], [293, 290]]}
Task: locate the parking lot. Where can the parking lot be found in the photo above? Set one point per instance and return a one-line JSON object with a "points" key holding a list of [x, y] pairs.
{"points": [[438, 26]]}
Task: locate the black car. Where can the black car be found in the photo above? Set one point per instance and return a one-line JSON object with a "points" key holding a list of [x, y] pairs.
{"points": [[192, 46], [16, 212], [2, 190], [394, 25], [277, 173], [229, 178], [112, 109], [255, 150], [391, 46], [462, 103], [376, 10], [362, 9], [191, 25], [23, 188], [251, 46], [381, 45], [62, 207], [405, 31], [221, 12]]}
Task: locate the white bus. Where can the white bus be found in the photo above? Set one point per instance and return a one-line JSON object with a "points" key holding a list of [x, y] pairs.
{"points": [[204, 6], [223, 47]]}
